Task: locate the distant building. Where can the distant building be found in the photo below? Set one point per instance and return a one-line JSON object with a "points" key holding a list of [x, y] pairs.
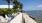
{"points": [[6, 6]]}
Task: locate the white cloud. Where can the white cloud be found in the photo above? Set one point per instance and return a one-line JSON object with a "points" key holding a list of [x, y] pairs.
{"points": [[5, 6], [39, 6]]}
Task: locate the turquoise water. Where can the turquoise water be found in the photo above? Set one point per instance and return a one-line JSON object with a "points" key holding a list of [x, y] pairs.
{"points": [[36, 14]]}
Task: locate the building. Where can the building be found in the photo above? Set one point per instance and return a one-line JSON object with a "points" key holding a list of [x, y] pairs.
{"points": [[6, 6]]}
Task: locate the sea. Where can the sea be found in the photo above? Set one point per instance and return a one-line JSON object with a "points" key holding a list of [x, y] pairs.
{"points": [[37, 14]]}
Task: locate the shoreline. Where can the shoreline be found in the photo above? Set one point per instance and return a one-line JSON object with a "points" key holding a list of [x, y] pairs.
{"points": [[19, 19], [25, 16]]}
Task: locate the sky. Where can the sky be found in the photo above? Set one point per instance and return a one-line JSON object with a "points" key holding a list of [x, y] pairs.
{"points": [[27, 4]]}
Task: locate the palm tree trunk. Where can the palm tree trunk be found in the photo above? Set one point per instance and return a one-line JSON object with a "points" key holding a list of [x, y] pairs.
{"points": [[8, 5]]}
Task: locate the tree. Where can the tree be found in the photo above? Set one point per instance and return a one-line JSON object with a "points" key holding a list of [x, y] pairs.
{"points": [[15, 7], [8, 1], [1, 11], [21, 6], [16, 4]]}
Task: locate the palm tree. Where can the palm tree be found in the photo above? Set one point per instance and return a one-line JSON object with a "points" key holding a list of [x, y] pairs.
{"points": [[16, 4], [21, 6], [8, 1]]}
